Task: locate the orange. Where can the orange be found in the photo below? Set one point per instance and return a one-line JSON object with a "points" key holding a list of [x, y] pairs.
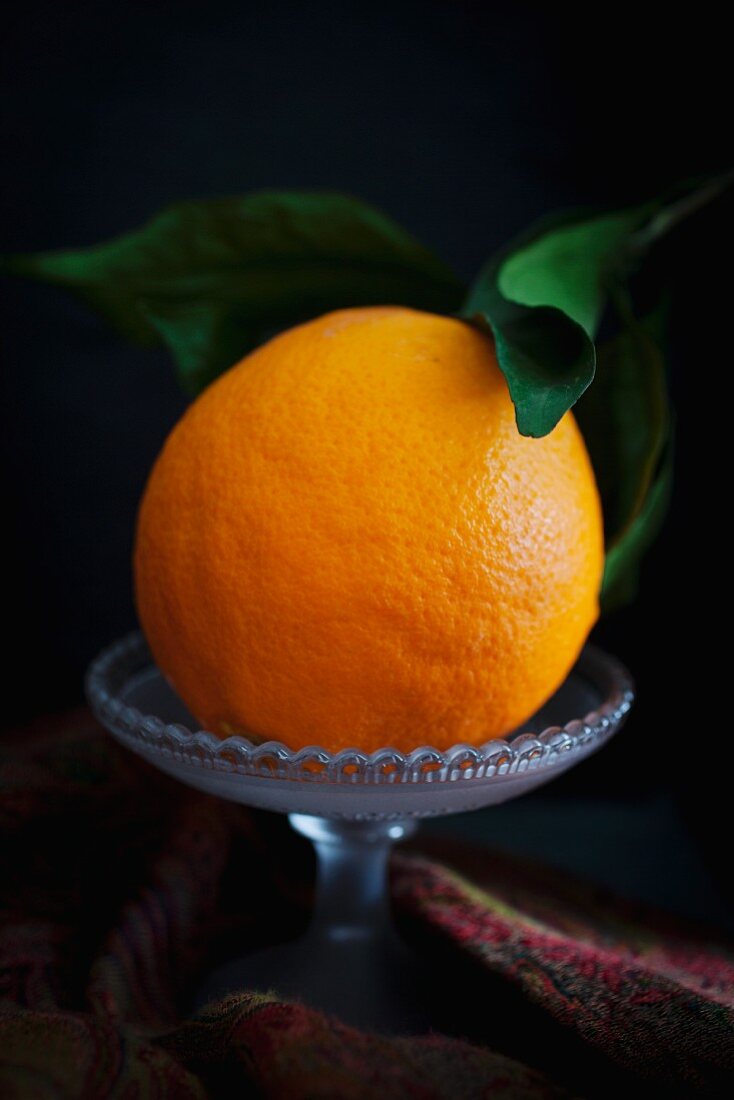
{"points": [[346, 542]]}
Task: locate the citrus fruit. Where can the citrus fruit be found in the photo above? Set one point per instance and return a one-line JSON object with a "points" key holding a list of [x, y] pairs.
{"points": [[346, 542]]}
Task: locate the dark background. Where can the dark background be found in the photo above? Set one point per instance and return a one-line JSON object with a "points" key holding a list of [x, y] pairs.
{"points": [[464, 121]]}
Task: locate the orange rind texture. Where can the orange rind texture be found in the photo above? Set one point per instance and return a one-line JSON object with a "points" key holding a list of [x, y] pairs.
{"points": [[346, 542]]}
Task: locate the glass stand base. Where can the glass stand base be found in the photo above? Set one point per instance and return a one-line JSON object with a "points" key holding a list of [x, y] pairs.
{"points": [[351, 963], [374, 986]]}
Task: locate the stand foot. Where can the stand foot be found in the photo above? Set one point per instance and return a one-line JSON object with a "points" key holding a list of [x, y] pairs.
{"points": [[351, 962]]}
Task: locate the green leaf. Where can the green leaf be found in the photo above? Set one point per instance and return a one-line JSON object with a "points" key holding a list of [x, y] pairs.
{"points": [[624, 556], [565, 268], [201, 336], [546, 357], [543, 297], [211, 279], [626, 423], [624, 418]]}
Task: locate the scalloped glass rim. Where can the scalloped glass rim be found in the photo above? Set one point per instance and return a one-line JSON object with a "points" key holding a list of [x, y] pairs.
{"points": [[273, 760]]}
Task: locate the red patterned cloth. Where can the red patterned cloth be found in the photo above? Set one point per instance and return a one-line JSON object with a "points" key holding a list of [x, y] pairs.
{"points": [[121, 888]]}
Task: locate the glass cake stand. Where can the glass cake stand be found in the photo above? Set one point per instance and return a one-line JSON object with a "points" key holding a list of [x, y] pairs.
{"points": [[353, 806]]}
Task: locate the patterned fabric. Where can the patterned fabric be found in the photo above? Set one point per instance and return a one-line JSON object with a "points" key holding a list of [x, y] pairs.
{"points": [[121, 889]]}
